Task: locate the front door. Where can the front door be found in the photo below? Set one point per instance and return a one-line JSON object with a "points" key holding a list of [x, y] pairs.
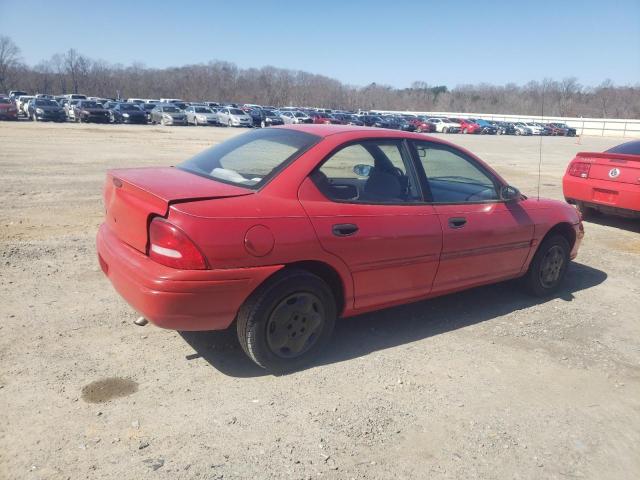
{"points": [[484, 239], [366, 206]]}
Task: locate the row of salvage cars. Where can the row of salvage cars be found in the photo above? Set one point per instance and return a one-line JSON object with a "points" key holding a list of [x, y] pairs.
{"points": [[79, 108]]}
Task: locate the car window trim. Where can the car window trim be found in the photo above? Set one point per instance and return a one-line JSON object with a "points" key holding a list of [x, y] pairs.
{"points": [[418, 164], [403, 150]]}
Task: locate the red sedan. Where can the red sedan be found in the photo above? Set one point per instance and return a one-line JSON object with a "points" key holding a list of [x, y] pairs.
{"points": [[421, 125], [283, 230], [8, 110], [468, 126], [322, 118], [607, 182]]}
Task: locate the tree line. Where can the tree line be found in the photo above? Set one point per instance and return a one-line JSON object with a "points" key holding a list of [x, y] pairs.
{"points": [[73, 72]]}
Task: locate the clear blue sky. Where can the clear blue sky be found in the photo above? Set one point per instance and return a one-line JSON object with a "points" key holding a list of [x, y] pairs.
{"points": [[358, 42]]}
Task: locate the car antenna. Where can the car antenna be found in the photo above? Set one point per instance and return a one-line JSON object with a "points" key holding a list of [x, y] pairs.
{"points": [[540, 147]]}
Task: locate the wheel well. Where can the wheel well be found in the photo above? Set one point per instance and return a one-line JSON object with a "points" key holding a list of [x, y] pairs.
{"points": [[326, 273], [566, 230]]}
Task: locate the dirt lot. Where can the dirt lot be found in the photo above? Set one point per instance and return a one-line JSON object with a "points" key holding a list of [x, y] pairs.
{"points": [[484, 384]]}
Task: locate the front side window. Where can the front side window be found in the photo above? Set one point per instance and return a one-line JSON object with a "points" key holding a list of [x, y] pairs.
{"points": [[373, 171], [250, 160], [452, 177]]}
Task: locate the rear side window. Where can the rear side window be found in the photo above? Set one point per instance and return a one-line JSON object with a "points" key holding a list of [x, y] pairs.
{"points": [[629, 148], [250, 160]]}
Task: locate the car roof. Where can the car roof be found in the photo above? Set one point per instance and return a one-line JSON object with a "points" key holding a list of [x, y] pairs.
{"points": [[322, 130]]}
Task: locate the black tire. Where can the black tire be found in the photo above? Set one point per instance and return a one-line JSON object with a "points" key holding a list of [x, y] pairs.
{"points": [[548, 267], [298, 299], [195, 121], [34, 117], [262, 124]]}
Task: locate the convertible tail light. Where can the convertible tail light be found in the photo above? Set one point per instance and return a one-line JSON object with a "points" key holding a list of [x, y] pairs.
{"points": [[579, 169], [170, 246]]}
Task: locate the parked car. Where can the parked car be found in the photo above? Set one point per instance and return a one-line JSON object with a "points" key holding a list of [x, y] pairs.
{"points": [[323, 118], [15, 94], [262, 118], [506, 128], [348, 119], [21, 104], [168, 114], [421, 125], [292, 117], [146, 108], [8, 110], [534, 128], [522, 129], [46, 109], [561, 129], [185, 247], [397, 123], [467, 125], [201, 115], [234, 117], [89, 111], [486, 128], [121, 112], [444, 125], [607, 182], [371, 121], [69, 107]]}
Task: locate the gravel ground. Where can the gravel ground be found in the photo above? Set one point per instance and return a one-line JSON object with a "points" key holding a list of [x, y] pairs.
{"points": [[488, 383]]}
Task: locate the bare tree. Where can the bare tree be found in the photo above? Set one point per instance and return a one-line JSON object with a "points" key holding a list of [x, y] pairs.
{"points": [[9, 57]]}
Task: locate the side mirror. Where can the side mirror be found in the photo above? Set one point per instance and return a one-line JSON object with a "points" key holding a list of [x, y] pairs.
{"points": [[362, 170], [509, 193]]}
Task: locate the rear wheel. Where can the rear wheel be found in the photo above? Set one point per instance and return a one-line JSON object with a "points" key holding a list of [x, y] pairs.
{"points": [[548, 267], [262, 124], [195, 121], [287, 321], [34, 117], [229, 124]]}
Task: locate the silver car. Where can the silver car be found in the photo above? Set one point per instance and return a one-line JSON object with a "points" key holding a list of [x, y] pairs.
{"points": [[167, 114], [234, 117], [290, 117], [200, 115]]}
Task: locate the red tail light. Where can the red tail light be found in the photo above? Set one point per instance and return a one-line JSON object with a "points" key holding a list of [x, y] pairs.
{"points": [[170, 246], [579, 169]]}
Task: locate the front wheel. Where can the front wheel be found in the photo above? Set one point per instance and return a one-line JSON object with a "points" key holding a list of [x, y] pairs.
{"points": [[195, 121], [34, 117], [548, 267], [262, 124], [287, 321]]}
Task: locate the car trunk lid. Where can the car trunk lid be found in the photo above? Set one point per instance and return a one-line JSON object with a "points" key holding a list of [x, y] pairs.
{"points": [[133, 195], [614, 167]]}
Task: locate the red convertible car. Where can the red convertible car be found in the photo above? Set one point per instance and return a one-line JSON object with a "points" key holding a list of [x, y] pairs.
{"points": [[283, 230], [607, 182]]}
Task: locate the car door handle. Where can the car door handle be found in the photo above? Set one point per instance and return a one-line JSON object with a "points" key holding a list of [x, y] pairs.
{"points": [[457, 222], [344, 229]]}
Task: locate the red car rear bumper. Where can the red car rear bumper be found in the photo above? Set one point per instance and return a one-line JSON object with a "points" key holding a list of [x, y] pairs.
{"points": [[614, 195], [176, 299]]}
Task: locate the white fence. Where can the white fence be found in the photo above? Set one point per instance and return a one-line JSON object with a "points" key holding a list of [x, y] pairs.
{"points": [[603, 127]]}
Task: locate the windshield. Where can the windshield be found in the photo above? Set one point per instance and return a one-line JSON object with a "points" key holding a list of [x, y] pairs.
{"points": [[170, 109], [629, 148], [89, 105], [251, 159], [149, 106], [299, 114], [4, 100], [46, 103], [268, 113], [236, 111], [129, 106], [203, 110]]}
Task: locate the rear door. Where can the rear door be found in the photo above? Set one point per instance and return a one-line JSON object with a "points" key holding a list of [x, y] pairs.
{"points": [[484, 239], [367, 208]]}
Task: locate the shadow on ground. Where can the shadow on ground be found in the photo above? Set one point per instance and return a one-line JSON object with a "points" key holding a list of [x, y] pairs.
{"points": [[361, 335], [628, 224]]}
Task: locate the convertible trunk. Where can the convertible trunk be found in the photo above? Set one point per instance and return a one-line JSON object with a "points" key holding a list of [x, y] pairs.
{"points": [[133, 195]]}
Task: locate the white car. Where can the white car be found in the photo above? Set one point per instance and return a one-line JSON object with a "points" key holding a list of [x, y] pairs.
{"points": [[22, 103], [200, 115], [68, 108], [234, 117], [535, 129], [291, 117], [444, 125]]}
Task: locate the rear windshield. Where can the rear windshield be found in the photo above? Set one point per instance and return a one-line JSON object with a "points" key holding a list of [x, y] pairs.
{"points": [[249, 160], [629, 148]]}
